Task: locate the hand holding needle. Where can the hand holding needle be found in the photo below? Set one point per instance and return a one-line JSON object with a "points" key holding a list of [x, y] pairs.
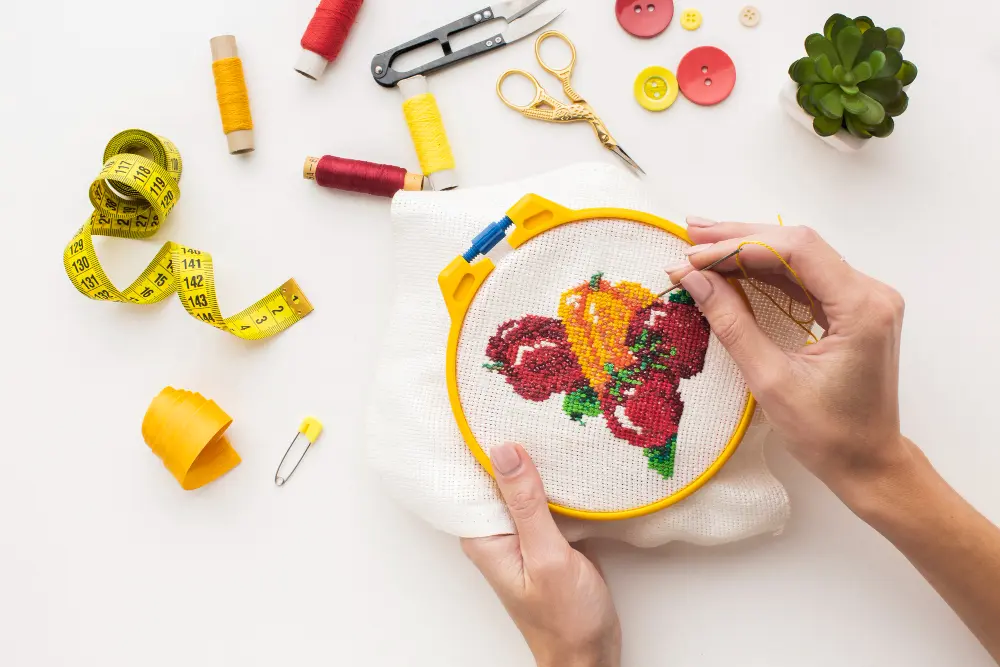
{"points": [[707, 268]]}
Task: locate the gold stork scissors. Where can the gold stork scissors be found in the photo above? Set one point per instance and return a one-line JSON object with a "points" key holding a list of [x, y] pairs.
{"points": [[547, 108]]}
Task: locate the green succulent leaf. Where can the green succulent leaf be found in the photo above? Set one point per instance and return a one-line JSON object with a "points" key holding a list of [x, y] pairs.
{"points": [[826, 127], [835, 24], [803, 70], [883, 129], [821, 90], [852, 105], [830, 104], [848, 42], [802, 96], [882, 90], [817, 45], [850, 90], [898, 105], [864, 23], [873, 40], [825, 69], [838, 74], [862, 71], [856, 127], [876, 61], [873, 113], [896, 38], [907, 73], [893, 61]]}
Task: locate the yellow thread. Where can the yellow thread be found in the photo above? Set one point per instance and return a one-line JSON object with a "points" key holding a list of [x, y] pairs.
{"points": [[429, 138], [805, 325], [231, 92]]}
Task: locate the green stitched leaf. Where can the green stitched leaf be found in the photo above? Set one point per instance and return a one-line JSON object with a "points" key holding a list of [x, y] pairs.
{"points": [[803, 99], [862, 71], [817, 45], [907, 73], [834, 25], [893, 61], [883, 129], [864, 23], [852, 105], [595, 281], [873, 113], [883, 90], [830, 104], [873, 40], [681, 296], [803, 70], [661, 459], [898, 105], [825, 69], [855, 127], [848, 43], [582, 403], [896, 38], [826, 127]]}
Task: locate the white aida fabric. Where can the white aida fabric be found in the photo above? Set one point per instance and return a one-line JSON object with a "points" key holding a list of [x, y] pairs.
{"points": [[416, 448]]}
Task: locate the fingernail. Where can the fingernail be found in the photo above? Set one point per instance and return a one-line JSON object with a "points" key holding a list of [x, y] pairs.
{"points": [[695, 249], [697, 285], [695, 221], [679, 266], [505, 458]]}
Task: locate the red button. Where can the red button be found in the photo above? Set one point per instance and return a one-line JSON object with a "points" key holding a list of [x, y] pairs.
{"points": [[706, 75], [644, 18]]}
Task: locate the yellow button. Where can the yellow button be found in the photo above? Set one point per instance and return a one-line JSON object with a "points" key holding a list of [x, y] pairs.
{"points": [[655, 88], [690, 19], [750, 16]]}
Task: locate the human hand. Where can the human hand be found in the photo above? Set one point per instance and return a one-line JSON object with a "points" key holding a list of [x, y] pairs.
{"points": [[836, 402], [555, 595]]}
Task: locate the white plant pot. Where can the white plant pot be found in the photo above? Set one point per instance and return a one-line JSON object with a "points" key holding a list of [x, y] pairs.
{"points": [[843, 141]]}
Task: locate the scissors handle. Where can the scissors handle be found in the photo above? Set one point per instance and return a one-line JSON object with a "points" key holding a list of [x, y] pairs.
{"points": [[532, 109], [563, 74]]}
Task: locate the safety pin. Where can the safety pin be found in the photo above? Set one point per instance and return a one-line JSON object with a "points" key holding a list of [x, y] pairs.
{"points": [[707, 268], [310, 430]]}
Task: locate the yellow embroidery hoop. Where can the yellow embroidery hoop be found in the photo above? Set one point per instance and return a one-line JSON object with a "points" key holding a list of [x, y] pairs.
{"points": [[460, 282]]}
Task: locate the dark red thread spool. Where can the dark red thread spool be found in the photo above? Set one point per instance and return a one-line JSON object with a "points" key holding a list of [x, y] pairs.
{"points": [[382, 180], [325, 35]]}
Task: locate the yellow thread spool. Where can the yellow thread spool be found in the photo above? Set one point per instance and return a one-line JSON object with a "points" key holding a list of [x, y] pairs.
{"points": [[231, 93], [427, 130]]}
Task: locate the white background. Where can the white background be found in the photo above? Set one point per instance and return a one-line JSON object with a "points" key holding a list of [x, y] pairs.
{"points": [[105, 561]]}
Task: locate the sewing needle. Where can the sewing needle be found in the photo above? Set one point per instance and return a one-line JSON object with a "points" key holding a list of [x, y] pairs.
{"points": [[707, 268]]}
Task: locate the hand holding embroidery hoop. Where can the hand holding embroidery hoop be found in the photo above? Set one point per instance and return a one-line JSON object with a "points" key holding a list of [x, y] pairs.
{"points": [[625, 402]]}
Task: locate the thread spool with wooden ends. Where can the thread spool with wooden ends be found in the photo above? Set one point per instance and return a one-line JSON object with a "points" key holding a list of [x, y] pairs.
{"points": [[381, 180], [231, 93]]}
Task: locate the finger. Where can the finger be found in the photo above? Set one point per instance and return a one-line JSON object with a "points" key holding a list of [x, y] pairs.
{"points": [[703, 230], [522, 491], [497, 557], [763, 364], [822, 269]]}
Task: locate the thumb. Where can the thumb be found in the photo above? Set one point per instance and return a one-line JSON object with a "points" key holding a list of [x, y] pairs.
{"points": [[762, 362], [522, 491]]}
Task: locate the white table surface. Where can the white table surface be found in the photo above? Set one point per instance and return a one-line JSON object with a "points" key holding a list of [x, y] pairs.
{"points": [[105, 561]]}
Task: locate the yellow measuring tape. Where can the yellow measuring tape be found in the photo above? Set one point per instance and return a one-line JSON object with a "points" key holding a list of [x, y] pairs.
{"points": [[132, 196]]}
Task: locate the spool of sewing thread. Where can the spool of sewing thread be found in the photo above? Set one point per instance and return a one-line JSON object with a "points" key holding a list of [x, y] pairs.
{"points": [[427, 130], [381, 180], [325, 35], [231, 92]]}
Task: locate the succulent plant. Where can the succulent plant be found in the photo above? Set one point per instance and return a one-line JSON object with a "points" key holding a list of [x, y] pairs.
{"points": [[853, 77]]}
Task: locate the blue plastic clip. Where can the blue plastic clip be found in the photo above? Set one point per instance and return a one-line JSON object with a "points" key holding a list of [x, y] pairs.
{"points": [[488, 239]]}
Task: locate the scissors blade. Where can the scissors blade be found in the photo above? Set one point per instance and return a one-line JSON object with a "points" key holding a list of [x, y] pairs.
{"points": [[620, 152], [514, 9], [527, 25]]}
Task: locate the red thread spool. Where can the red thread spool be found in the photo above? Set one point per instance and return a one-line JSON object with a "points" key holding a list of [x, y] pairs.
{"points": [[382, 180], [325, 35]]}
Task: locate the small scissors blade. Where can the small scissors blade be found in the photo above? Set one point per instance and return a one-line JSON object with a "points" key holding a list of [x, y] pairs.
{"points": [[707, 268], [527, 25], [514, 9], [620, 152]]}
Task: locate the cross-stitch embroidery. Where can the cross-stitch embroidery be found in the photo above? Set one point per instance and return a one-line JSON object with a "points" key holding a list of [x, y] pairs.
{"points": [[615, 351]]}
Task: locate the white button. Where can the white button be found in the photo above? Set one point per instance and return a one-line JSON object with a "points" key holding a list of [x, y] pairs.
{"points": [[750, 16]]}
